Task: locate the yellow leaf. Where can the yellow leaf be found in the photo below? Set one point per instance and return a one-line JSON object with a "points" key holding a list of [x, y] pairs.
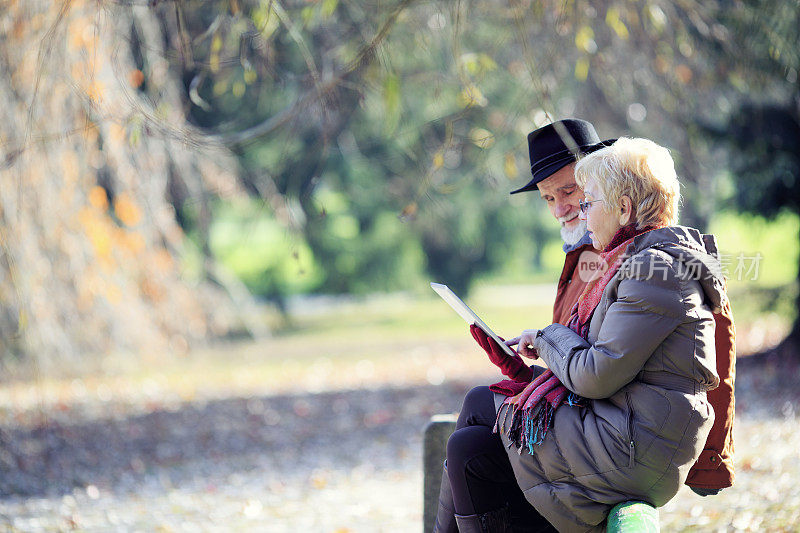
{"points": [[238, 89], [329, 7], [615, 23], [220, 87], [582, 69], [510, 166], [472, 95], [476, 64], [127, 212], [438, 160], [584, 39], [266, 20], [481, 137], [98, 198], [216, 46], [95, 91], [97, 230], [391, 102], [657, 16], [22, 321], [216, 43]]}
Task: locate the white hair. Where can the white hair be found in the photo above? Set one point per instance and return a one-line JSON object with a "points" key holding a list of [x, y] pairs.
{"points": [[637, 168]]}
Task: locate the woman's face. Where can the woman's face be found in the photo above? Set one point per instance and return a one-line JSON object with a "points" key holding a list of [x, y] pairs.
{"points": [[600, 221]]}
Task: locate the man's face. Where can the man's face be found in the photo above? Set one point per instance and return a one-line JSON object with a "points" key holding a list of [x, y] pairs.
{"points": [[562, 195]]}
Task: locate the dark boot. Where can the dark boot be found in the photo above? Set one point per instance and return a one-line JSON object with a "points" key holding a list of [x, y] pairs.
{"points": [[445, 515], [498, 521]]}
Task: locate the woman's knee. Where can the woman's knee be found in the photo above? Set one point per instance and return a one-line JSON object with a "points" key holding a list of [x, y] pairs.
{"points": [[477, 408], [469, 442], [475, 452], [477, 395], [460, 448]]}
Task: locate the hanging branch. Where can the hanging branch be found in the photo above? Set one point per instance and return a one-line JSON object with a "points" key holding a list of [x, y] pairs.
{"points": [[322, 89]]}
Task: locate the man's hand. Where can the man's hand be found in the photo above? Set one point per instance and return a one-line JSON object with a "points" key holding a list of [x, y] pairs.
{"points": [[513, 367], [525, 342]]}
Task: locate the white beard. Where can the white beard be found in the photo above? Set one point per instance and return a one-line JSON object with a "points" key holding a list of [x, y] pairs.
{"points": [[571, 236]]}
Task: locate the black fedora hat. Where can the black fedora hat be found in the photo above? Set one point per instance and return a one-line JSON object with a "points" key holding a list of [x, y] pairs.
{"points": [[558, 144]]}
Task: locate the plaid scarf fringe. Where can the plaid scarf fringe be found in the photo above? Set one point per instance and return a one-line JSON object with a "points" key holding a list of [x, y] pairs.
{"points": [[529, 425]]}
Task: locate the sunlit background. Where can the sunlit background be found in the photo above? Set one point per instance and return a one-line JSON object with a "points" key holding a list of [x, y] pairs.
{"points": [[219, 221]]}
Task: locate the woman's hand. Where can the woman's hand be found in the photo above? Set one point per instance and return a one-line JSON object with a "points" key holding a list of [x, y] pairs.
{"points": [[513, 367], [525, 342]]}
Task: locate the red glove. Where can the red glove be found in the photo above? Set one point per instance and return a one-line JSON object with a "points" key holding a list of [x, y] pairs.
{"points": [[513, 367]]}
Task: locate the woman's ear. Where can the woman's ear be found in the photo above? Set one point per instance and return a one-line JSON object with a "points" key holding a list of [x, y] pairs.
{"points": [[626, 214]]}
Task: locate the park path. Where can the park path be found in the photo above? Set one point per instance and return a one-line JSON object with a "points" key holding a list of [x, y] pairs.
{"points": [[336, 461]]}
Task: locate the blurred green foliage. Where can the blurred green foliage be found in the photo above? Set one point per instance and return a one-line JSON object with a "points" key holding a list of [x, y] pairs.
{"points": [[381, 138], [749, 236], [766, 253], [396, 163], [261, 252]]}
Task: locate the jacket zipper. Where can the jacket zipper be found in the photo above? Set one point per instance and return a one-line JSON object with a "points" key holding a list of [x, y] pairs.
{"points": [[631, 444], [540, 333]]}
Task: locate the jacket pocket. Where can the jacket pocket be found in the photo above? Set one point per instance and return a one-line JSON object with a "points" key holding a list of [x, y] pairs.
{"points": [[613, 424], [554, 346]]}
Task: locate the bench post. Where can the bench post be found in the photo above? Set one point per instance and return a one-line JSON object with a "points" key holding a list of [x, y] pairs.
{"points": [[434, 453]]}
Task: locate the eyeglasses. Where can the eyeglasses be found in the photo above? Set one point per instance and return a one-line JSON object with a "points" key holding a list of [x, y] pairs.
{"points": [[584, 206]]}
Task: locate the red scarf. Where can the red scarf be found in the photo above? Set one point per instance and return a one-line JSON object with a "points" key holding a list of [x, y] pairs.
{"points": [[532, 405], [612, 256]]}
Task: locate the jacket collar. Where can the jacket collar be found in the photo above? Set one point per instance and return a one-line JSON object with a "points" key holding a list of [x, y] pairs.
{"points": [[693, 249]]}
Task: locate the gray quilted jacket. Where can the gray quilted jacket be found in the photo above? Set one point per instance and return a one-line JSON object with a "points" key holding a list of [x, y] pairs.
{"points": [[646, 366]]}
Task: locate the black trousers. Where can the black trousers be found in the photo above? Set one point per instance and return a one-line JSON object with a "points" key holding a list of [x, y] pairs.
{"points": [[481, 477]]}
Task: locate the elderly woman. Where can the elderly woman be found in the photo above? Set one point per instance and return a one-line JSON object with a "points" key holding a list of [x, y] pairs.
{"points": [[621, 411]]}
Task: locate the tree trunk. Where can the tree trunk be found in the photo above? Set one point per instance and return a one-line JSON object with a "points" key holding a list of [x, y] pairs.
{"points": [[90, 244]]}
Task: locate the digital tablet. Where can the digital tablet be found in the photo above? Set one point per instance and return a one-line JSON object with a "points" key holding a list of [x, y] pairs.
{"points": [[468, 314]]}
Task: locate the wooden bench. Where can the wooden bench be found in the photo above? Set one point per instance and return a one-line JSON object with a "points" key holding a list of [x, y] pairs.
{"points": [[626, 517]]}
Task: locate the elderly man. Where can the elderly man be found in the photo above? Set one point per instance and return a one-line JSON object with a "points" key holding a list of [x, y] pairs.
{"points": [[553, 149], [479, 491]]}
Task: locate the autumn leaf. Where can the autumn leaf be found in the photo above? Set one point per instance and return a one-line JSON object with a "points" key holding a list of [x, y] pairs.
{"points": [[409, 211], [135, 78], [127, 212], [98, 198], [510, 166]]}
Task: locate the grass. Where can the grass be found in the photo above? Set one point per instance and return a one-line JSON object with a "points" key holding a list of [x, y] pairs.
{"points": [[382, 340]]}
